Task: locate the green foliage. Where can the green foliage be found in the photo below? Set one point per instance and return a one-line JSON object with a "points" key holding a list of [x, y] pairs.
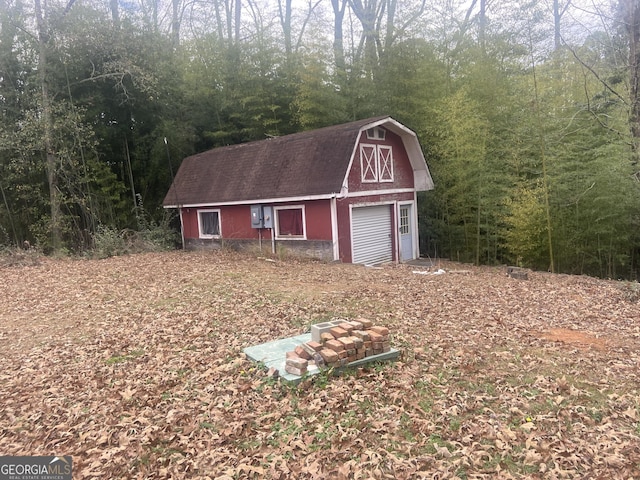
{"points": [[470, 188], [525, 228], [157, 234], [119, 86], [151, 236], [109, 242]]}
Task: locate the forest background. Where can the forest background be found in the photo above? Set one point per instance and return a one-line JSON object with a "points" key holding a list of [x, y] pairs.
{"points": [[528, 112]]}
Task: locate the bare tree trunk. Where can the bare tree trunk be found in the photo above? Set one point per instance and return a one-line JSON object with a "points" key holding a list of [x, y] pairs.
{"points": [[631, 18], [285, 20], [238, 13], [558, 13], [338, 42], [219, 23], [175, 23], [482, 26], [115, 13], [367, 13], [543, 159], [391, 18], [47, 119]]}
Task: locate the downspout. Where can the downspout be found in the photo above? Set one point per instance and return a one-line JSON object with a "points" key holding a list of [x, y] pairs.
{"points": [[334, 227], [396, 229], [181, 226], [416, 225]]}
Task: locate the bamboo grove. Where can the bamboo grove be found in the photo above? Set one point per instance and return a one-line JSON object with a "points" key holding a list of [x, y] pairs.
{"points": [[529, 112]]}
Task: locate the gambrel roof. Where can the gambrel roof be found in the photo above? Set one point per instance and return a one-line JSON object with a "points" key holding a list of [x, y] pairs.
{"points": [[307, 165]]}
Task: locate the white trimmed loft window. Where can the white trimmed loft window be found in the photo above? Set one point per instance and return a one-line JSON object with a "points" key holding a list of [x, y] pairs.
{"points": [[376, 133], [209, 223], [376, 163], [290, 223], [369, 163], [385, 163]]}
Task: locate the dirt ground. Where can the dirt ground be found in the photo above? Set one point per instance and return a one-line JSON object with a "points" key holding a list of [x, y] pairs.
{"points": [[134, 366]]}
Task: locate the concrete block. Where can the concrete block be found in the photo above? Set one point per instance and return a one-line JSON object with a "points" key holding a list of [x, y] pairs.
{"points": [[517, 273], [319, 328]]}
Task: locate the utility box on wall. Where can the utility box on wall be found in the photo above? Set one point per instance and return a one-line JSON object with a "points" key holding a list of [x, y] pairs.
{"points": [[267, 217], [261, 216]]}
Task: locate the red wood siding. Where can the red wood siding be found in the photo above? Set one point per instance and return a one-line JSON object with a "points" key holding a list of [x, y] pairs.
{"points": [[318, 216], [235, 221], [402, 171], [190, 222]]}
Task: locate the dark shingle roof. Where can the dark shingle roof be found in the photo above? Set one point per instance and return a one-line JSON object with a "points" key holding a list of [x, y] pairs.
{"points": [[303, 164]]}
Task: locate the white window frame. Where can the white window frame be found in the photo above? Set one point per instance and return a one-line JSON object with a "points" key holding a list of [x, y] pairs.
{"points": [[277, 223], [387, 166], [376, 167], [404, 221], [376, 133], [200, 227], [368, 164]]}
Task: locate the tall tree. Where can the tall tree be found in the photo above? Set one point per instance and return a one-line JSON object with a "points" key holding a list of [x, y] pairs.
{"points": [[44, 45], [629, 11]]}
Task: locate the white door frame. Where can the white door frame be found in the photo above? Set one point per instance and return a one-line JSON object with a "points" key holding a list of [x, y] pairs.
{"points": [[413, 225], [394, 223]]}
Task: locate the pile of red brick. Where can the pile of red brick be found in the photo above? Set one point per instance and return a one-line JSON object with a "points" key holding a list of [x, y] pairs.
{"points": [[338, 345]]}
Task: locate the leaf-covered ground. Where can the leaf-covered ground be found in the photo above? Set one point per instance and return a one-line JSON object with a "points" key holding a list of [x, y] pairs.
{"points": [[134, 366]]}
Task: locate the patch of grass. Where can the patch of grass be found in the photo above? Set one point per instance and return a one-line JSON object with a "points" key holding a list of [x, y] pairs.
{"points": [[124, 358], [455, 423], [249, 444]]}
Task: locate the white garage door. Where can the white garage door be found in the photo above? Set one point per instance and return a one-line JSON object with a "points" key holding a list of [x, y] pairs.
{"points": [[371, 227]]}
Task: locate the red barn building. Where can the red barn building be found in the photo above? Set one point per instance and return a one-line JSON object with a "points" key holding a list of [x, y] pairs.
{"points": [[346, 192]]}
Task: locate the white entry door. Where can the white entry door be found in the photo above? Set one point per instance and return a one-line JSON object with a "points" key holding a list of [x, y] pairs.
{"points": [[406, 235]]}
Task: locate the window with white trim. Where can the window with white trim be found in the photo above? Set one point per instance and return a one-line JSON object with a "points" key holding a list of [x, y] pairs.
{"points": [[290, 222], [385, 163], [376, 163], [369, 163], [404, 221], [376, 133], [209, 223]]}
